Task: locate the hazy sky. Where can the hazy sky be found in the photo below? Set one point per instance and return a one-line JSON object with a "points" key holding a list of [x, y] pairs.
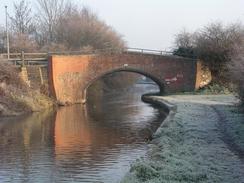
{"points": [[154, 23]]}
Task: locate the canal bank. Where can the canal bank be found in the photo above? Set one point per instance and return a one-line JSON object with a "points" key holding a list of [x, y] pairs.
{"points": [[200, 141], [17, 97]]}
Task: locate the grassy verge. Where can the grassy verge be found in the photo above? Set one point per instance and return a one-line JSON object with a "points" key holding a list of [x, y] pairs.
{"points": [[191, 146]]}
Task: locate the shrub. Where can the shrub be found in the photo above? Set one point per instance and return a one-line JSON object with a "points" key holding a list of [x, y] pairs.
{"points": [[16, 97], [215, 44], [236, 68]]}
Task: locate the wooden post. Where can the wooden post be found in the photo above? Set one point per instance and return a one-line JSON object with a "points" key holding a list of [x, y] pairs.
{"points": [[41, 76], [23, 58]]}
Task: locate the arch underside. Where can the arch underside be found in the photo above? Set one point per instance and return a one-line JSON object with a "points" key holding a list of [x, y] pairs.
{"points": [[126, 69]]}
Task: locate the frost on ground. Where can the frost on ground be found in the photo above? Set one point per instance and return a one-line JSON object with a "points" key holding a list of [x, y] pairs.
{"points": [[203, 142]]}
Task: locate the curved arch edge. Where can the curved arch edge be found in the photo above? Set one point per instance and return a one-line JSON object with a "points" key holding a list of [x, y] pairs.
{"points": [[160, 83]]}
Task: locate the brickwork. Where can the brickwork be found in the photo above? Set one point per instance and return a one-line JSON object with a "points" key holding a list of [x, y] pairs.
{"points": [[204, 76], [70, 76]]}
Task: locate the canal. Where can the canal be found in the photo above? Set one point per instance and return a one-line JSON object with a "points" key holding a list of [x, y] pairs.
{"points": [[92, 143]]}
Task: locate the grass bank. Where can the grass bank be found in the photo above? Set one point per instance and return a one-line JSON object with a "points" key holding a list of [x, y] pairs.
{"points": [[16, 97], [201, 141]]}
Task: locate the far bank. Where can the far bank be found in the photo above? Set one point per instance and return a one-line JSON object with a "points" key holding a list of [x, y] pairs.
{"points": [[17, 97]]}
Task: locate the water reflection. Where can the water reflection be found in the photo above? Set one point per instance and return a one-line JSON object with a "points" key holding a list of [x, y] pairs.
{"points": [[95, 143], [25, 145]]}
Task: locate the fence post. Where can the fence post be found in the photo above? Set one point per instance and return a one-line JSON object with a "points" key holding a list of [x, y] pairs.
{"points": [[41, 76], [23, 58]]}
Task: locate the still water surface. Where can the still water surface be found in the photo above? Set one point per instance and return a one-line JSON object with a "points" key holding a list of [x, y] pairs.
{"points": [[92, 143]]}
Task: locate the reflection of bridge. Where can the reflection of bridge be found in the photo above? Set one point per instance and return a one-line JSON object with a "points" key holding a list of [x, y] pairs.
{"points": [[71, 75]]}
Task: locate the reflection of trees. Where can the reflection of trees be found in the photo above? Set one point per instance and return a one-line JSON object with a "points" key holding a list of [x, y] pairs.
{"points": [[76, 136], [23, 139], [26, 131]]}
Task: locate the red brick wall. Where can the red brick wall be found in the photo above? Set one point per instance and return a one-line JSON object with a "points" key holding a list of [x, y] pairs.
{"points": [[69, 76]]}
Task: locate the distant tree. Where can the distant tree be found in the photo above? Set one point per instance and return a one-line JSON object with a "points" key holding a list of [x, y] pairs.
{"points": [[49, 13], [22, 28], [184, 42], [184, 39], [59, 26], [23, 42], [82, 29], [22, 21]]}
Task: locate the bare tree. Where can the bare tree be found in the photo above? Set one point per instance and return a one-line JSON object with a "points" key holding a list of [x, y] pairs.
{"points": [[23, 42], [236, 69], [49, 13], [23, 28], [78, 29], [216, 45], [22, 21], [60, 25], [184, 39], [222, 49], [185, 44]]}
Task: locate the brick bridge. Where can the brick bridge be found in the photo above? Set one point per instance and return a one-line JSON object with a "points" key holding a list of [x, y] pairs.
{"points": [[71, 75]]}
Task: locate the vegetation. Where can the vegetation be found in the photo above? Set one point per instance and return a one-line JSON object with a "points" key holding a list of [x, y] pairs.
{"points": [[58, 26], [236, 69], [221, 49], [16, 97], [184, 42], [192, 148], [62, 26]]}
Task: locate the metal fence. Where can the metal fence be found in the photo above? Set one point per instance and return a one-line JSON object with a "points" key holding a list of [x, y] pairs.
{"points": [[41, 58]]}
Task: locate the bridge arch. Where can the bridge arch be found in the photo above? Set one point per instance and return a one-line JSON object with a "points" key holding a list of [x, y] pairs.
{"points": [[159, 82], [70, 75]]}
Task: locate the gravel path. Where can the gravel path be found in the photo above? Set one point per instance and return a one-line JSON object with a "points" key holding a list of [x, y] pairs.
{"points": [[203, 142]]}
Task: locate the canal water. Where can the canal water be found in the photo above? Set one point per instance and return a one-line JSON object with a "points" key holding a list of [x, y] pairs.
{"points": [[92, 143]]}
